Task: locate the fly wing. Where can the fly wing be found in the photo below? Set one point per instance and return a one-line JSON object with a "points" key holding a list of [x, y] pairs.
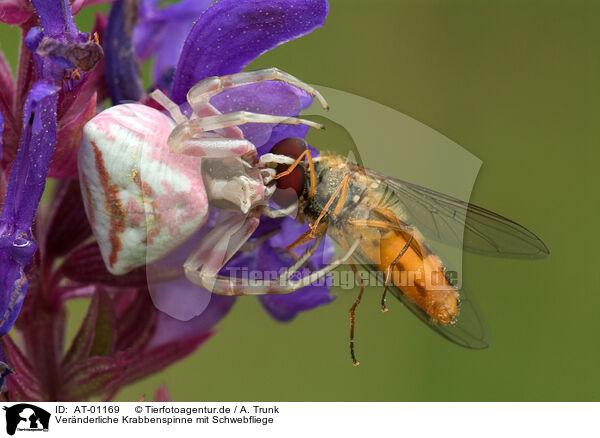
{"points": [[469, 330], [454, 222]]}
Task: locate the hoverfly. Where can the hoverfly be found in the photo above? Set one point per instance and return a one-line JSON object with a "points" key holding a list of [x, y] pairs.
{"points": [[388, 222]]}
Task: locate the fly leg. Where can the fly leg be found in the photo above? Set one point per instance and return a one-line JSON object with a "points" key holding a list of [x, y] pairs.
{"points": [[352, 311], [393, 227], [390, 269], [343, 188], [311, 168]]}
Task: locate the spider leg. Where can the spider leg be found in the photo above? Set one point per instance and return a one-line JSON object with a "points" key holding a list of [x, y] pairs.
{"points": [[207, 276], [203, 91]]}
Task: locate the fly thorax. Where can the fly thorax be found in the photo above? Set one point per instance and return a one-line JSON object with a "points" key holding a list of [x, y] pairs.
{"points": [[231, 184]]}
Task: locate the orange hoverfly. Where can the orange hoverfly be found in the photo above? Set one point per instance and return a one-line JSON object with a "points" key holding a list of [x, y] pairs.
{"points": [[386, 223]]}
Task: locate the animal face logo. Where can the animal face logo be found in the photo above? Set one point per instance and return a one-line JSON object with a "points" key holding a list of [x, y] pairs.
{"points": [[26, 417]]}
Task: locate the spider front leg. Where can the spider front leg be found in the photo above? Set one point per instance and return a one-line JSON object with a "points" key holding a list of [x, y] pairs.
{"points": [[210, 262], [218, 247], [188, 136], [203, 91]]}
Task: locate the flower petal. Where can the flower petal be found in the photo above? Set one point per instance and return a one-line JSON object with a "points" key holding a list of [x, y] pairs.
{"points": [[55, 16], [121, 68], [231, 33], [161, 32], [270, 259], [179, 298], [276, 98], [25, 188], [286, 307], [170, 329]]}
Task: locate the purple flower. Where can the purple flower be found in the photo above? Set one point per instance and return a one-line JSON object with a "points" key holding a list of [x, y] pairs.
{"points": [[62, 76], [224, 39], [25, 188], [57, 44], [121, 68], [162, 31], [54, 43]]}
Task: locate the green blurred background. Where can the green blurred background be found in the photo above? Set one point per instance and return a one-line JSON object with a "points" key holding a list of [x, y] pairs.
{"points": [[515, 83]]}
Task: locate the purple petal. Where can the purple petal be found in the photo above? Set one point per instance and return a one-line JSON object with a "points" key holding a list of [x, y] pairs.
{"points": [[170, 329], [286, 306], [162, 31], [179, 298], [275, 98], [282, 131], [58, 45], [232, 33], [28, 175], [25, 188], [271, 259], [291, 230], [120, 65], [55, 16]]}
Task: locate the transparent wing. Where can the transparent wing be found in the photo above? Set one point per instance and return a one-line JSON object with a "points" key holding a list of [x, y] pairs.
{"points": [[469, 330], [444, 218]]}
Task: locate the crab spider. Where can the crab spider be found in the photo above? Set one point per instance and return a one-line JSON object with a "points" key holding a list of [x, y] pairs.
{"points": [[148, 181]]}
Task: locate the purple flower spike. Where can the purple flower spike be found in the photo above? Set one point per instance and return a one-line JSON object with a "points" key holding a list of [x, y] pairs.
{"points": [[120, 65], [231, 33], [58, 44], [55, 17], [25, 188]]}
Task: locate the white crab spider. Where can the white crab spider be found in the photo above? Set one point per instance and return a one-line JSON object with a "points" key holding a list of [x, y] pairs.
{"points": [[148, 181]]}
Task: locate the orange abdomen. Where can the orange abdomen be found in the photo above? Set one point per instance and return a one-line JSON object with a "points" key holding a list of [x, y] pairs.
{"points": [[418, 274]]}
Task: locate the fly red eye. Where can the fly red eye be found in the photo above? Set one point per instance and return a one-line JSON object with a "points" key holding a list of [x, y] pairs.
{"points": [[289, 187]]}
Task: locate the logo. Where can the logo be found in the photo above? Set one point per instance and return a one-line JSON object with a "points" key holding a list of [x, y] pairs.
{"points": [[26, 417]]}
